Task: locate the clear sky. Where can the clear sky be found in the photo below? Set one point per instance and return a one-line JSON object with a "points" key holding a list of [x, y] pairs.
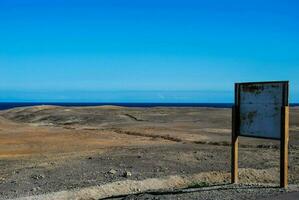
{"points": [[145, 50]]}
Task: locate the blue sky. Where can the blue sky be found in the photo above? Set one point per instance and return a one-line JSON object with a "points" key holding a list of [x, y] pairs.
{"points": [[145, 51]]}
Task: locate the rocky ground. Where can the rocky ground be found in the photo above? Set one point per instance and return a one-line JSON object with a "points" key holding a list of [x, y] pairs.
{"points": [[47, 149]]}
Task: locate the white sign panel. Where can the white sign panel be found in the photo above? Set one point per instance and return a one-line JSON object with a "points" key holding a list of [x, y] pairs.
{"points": [[260, 108]]}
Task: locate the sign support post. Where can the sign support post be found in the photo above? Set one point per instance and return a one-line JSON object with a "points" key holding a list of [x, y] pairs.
{"points": [[235, 148], [284, 144]]}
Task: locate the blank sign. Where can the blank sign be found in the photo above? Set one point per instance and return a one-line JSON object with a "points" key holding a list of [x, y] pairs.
{"points": [[260, 108]]}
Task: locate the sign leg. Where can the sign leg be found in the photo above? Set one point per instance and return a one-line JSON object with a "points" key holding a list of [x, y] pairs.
{"points": [[284, 144], [234, 153]]}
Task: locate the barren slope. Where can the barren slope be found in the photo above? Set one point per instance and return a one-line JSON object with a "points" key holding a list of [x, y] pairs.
{"points": [[48, 148]]}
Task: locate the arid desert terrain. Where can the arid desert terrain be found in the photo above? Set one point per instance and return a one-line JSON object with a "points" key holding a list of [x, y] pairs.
{"points": [[52, 152]]}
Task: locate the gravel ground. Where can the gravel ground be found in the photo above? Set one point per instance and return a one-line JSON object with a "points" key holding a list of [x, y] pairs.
{"points": [[225, 193], [49, 149]]}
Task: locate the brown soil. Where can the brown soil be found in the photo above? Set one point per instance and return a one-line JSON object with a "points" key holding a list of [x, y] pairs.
{"points": [[47, 149]]}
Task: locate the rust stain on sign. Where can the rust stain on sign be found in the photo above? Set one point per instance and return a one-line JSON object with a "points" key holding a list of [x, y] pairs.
{"points": [[256, 89], [248, 117]]}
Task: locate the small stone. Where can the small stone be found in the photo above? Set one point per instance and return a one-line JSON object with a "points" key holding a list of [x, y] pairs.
{"points": [[89, 158], [112, 171], [35, 189], [37, 177], [127, 174]]}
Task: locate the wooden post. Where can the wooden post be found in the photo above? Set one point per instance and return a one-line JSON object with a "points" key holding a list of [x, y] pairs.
{"points": [[284, 144], [235, 143]]}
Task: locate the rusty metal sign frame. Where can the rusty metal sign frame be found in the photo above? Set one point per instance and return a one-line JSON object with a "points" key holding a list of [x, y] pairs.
{"points": [[283, 129]]}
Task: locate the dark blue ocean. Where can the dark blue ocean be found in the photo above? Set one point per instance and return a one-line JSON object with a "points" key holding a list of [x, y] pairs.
{"points": [[4, 106], [9, 105]]}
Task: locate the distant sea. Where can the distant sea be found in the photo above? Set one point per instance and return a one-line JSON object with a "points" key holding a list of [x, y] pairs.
{"points": [[4, 106]]}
